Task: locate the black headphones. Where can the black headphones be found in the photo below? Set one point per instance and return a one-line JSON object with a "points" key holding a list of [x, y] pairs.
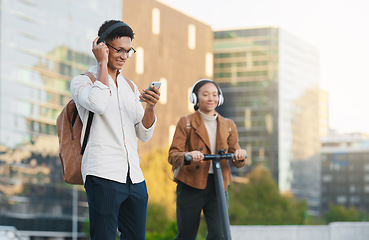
{"points": [[109, 30], [193, 97]]}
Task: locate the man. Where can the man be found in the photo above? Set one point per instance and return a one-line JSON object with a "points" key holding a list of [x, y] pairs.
{"points": [[115, 186]]}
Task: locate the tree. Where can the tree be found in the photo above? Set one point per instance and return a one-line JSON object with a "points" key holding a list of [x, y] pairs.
{"points": [[159, 226], [259, 202], [339, 213], [159, 179]]}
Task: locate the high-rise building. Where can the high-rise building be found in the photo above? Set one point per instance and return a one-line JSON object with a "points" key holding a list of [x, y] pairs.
{"points": [[339, 176], [172, 48], [323, 113], [44, 44], [270, 82], [345, 171]]}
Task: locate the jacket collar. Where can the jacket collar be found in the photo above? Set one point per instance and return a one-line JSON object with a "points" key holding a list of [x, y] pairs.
{"points": [[200, 128]]}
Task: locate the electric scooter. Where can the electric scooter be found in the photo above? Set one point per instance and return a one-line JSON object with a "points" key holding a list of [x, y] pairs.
{"points": [[218, 178]]}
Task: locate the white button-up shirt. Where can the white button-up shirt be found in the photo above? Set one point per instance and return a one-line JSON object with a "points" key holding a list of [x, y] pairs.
{"points": [[117, 123]]}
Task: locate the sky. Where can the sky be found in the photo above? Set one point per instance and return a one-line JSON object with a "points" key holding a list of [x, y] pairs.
{"points": [[339, 29]]}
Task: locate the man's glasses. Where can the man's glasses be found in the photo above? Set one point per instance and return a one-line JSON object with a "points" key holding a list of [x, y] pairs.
{"points": [[129, 52]]}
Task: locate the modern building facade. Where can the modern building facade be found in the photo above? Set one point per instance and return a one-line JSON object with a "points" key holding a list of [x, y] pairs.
{"points": [[339, 176], [306, 184], [44, 44], [323, 113], [270, 82], [172, 48], [345, 171]]}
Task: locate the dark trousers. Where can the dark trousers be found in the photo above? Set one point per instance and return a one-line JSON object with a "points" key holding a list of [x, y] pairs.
{"points": [[190, 202], [113, 206]]}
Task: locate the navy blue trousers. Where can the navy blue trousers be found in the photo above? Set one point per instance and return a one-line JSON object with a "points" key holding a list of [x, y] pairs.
{"points": [[113, 206]]}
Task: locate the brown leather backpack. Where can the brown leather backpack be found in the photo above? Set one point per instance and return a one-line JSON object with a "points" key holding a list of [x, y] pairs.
{"points": [[69, 129]]}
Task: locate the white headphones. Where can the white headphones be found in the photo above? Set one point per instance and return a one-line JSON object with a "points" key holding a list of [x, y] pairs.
{"points": [[193, 97]]}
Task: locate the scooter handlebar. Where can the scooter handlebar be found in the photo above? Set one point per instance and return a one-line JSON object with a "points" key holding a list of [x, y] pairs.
{"points": [[208, 157]]}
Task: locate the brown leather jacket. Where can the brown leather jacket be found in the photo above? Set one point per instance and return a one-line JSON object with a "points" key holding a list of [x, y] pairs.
{"points": [[191, 135]]}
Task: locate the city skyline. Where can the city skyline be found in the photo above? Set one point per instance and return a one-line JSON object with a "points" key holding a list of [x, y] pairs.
{"points": [[336, 28]]}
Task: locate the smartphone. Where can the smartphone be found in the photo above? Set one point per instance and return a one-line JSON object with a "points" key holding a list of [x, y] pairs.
{"points": [[156, 84]]}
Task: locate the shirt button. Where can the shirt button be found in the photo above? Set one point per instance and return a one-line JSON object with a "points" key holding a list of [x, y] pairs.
{"points": [[197, 167], [201, 149]]}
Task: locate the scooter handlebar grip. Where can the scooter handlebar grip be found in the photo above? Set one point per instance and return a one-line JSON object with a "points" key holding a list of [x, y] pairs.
{"points": [[188, 159]]}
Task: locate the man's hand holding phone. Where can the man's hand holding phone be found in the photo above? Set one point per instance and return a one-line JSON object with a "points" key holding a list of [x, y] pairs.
{"points": [[151, 95]]}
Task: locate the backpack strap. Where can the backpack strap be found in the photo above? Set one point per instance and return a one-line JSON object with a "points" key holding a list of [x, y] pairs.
{"points": [[90, 116], [90, 75], [130, 83]]}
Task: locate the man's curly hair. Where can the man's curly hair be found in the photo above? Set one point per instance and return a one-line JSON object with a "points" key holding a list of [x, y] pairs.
{"points": [[124, 31]]}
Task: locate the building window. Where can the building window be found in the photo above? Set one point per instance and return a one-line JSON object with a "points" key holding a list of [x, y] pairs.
{"points": [[209, 64], [354, 199], [352, 189], [163, 91], [139, 60], [261, 153], [156, 21], [366, 167], [366, 189], [249, 153], [248, 118], [191, 36], [269, 123], [341, 199], [327, 178]]}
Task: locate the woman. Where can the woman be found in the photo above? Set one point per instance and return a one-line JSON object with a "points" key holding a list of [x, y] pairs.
{"points": [[203, 132]]}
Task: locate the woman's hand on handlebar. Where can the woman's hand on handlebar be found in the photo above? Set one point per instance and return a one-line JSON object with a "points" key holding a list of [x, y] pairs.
{"points": [[197, 156], [239, 155]]}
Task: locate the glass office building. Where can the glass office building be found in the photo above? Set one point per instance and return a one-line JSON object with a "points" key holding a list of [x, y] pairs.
{"points": [[270, 82], [339, 176], [43, 45], [345, 171]]}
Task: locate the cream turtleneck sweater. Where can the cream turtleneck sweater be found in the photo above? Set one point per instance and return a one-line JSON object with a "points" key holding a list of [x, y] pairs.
{"points": [[211, 125]]}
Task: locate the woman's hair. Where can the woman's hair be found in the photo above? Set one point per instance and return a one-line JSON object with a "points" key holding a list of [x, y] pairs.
{"points": [[196, 90], [124, 31]]}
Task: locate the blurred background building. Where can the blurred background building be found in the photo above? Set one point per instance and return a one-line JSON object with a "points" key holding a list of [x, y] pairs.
{"points": [[43, 45], [306, 182], [339, 176], [345, 170], [174, 49], [270, 81]]}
